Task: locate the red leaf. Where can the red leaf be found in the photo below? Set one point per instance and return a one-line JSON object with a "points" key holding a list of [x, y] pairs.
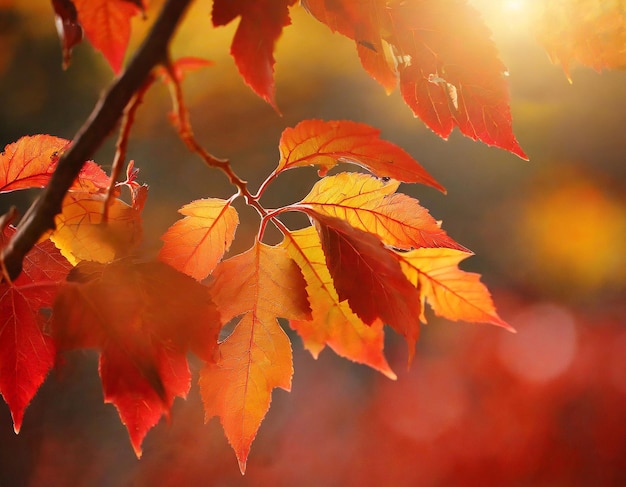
{"points": [[107, 26], [144, 318], [29, 163], [27, 353], [441, 52], [261, 24], [369, 277], [332, 322], [325, 144], [69, 29]]}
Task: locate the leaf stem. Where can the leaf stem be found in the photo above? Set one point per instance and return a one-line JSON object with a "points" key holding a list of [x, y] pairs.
{"points": [[105, 115]]}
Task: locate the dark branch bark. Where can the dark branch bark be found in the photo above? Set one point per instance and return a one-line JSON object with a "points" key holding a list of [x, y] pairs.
{"points": [[40, 216]]}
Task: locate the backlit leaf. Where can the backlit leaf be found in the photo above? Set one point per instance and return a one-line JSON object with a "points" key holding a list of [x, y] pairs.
{"points": [[451, 293], [27, 353], [107, 26], [369, 277], [441, 53], [29, 163], [261, 24], [333, 323], [372, 205], [143, 318], [195, 244], [589, 32], [326, 144], [81, 233], [258, 285]]}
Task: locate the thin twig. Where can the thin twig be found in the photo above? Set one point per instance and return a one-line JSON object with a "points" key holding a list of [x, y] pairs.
{"points": [[104, 117]]}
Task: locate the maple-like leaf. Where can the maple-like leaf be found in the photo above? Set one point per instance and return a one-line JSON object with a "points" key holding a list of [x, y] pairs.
{"points": [[372, 205], [589, 32], [261, 25], [29, 163], [451, 293], [81, 233], [258, 286], [441, 53], [143, 317], [326, 144], [27, 353], [195, 244], [368, 275], [107, 26], [333, 323]]}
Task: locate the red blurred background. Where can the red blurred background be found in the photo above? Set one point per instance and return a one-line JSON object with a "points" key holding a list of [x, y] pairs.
{"points": [[479, 406]]}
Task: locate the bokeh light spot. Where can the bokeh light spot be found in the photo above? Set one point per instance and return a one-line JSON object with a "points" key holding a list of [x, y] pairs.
{"points": [[545, 345]]}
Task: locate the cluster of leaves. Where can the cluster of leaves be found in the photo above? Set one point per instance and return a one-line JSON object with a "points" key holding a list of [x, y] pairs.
{"points": [[371, 256]]}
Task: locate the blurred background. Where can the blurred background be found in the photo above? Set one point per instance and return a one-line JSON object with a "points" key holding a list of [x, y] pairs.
{"points": [[479, 406]]}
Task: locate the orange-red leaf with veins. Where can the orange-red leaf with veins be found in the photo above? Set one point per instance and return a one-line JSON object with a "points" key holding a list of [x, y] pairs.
{"points": [[261, 25], [589, 32], [326, 144], [441, 53], [369, 277], [29, 163], [143, 318], [451, 293], [332, 322], [259, 286], [372, 205], [107, 26], [195, 244], [27, 353]]}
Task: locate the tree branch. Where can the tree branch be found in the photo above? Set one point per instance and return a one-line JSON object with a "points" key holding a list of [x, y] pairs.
{"points": [[105, 115]]}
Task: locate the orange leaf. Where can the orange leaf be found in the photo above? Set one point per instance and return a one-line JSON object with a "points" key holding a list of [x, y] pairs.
{"points": [[81, 234], [195, 244], [27, 353], [371, 204], [451, 293], [107, 26], [325, 144], [369, 277], [261, 25], [144, 318], [333, 323], [441, 52], [29, 163], [260, 284], [590, 32]]}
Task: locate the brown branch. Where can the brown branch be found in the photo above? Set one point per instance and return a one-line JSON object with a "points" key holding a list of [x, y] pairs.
{"points": [[103, 118]]}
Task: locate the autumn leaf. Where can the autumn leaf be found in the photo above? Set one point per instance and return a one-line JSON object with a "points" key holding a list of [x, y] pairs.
{"points": [[29, 163], [68, 27], [81, 233], [442, 55], [325, 144], [258, 286], [261, 25], [143, 318], [27, 353], [372, 205], [333, 323], [451, 293], [589, 32], [182, 66], [369, 277], [107, 26], [195, 244]]}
